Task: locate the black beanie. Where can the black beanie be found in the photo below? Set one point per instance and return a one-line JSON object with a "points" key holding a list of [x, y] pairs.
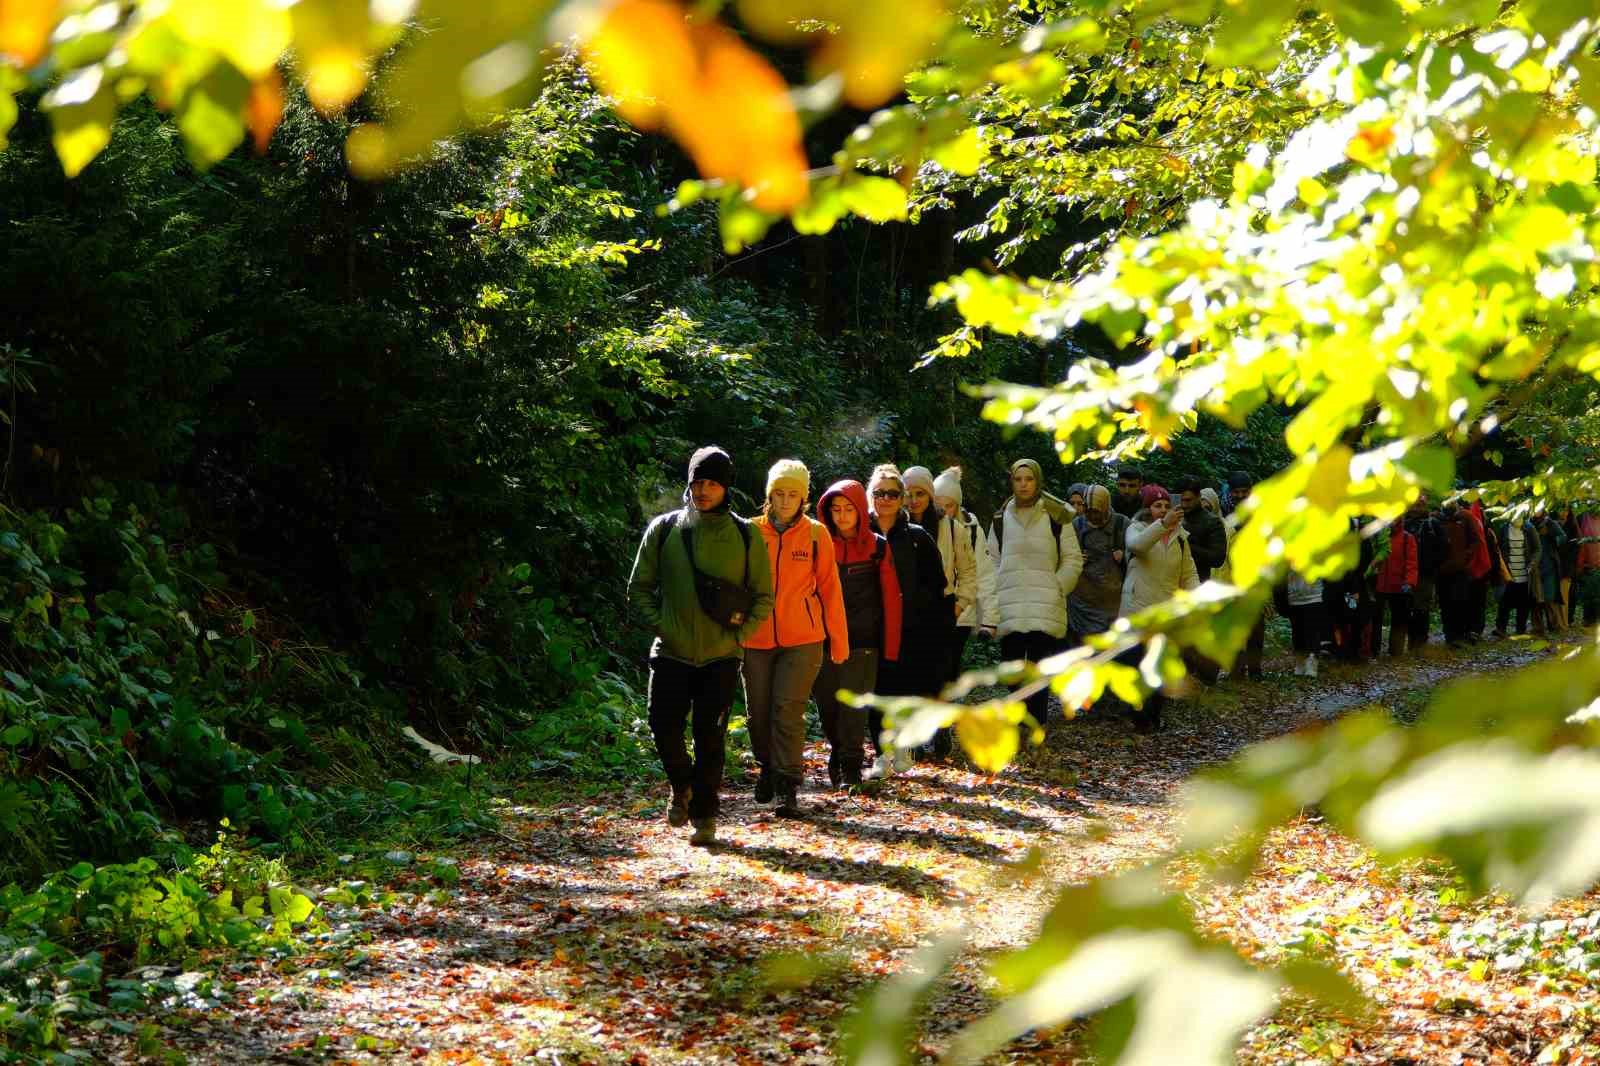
{"points": [[711, 463]]}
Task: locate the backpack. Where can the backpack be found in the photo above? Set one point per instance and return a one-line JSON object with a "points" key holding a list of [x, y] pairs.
{"points": [[1119, 535], [999, 529], [724, 602]]}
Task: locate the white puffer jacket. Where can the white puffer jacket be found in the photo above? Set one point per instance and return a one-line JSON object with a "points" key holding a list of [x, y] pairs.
{"points": [[1033, 577], [960, 563], [1156, 570], [971, 535]]}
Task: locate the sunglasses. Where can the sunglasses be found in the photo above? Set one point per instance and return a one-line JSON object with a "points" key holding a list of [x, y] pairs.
{"points": [[886, 494]]}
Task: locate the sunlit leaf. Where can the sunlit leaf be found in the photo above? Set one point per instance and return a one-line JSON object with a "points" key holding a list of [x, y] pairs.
{"points": [[264, 110], [252, 34], [331, 37], [989, 735], [212, 115], [25, 27], [82, 109]]}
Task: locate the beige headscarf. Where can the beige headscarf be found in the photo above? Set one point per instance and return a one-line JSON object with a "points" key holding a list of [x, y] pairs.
{"points": [[1097, 506]]}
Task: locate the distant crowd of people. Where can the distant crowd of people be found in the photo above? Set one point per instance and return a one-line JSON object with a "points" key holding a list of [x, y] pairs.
{"points": [[882, 590], [1543, 570]]}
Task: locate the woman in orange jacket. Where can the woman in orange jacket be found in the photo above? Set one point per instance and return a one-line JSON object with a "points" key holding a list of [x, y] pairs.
{"points": [[782, 658]]}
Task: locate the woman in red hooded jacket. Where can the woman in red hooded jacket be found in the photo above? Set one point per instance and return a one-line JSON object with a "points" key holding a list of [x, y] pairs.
{"points": [[872, 614], [1483, 570], [1398, 575]]}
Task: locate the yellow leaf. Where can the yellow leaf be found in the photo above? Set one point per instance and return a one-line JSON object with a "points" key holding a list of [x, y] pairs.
{"points": [[724, 103], [641, 56], [331, 37], [82, 109], [1371, 143], [989, 735], [1329, 480], [252, 34], [25, 27], [877, 43]]}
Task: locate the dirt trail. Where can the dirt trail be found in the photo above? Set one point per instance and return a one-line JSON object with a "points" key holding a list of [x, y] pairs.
{"points": [[601, 936]]}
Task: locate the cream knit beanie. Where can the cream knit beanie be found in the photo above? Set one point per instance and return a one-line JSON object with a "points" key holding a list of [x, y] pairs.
{"points": [[915, 476], [949, 484], [792, 471]]}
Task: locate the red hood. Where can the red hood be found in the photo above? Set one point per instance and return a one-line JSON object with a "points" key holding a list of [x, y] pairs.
{"points": [[862, 545]]}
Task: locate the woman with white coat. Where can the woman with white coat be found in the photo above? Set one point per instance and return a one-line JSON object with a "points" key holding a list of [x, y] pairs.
{"points": [[1160, 563], [1036, 565], [969, 531]]}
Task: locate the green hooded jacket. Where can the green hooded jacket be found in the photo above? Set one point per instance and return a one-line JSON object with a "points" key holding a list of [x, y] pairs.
{"points": [[661, 587]]}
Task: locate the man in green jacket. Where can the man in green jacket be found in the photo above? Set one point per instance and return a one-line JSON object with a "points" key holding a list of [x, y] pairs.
{"points": [[694, 662]]}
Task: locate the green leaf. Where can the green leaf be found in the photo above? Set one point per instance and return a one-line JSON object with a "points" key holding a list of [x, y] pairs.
{"points": [[822, 211], [1506, 817], [1434, 467], [742, 224], [8, 116], [212, 116], [875, 199]]}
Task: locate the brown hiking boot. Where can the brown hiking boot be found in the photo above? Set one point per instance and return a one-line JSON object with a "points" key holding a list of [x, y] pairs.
{"points": [[705, 833], [788, 798], [678, 813]]}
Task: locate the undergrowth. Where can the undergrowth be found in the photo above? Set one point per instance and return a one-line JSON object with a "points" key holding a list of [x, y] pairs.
{"points": [[143, 702]]}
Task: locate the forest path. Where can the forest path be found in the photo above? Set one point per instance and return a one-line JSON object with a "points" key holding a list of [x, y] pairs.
{"points": [[592, 932]]}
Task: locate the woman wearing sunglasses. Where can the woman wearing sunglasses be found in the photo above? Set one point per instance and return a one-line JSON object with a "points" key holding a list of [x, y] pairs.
{"points": [[925, 614]]}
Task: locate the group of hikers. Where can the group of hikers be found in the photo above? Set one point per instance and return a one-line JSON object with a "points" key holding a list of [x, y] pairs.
{"points": [[881, 591]]}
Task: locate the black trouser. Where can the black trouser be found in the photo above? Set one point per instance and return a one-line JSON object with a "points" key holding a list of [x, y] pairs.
{"points": [[1421, 613], [1249, 661], [920, 671], [1515, 597], [1033, 647], [844, 726], [943, 741], [1477, 606], [681, 694], [1454, 597], [1398, 606], [1308, 627], [1148, 715]]}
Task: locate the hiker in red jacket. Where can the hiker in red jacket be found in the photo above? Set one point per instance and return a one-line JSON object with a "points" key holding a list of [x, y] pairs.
{"points": [[1482, 572], [1461, 537], [1398, 575], [872, 617]]}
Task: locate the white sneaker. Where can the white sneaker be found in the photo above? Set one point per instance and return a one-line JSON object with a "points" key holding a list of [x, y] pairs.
{"points": [[1311, 666], [882, 767]]}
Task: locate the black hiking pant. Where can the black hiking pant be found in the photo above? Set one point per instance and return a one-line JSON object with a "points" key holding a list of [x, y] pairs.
{"points": [[1477, 607], [1454, 606], [1398, 606], [1421, 613], [1147, 717], [1248, 664], [845, 727], [700, 697], [1033, 647], [1515, 597]]}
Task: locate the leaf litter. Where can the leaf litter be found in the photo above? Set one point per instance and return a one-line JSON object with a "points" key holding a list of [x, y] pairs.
{"points": [[589, 931]]}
